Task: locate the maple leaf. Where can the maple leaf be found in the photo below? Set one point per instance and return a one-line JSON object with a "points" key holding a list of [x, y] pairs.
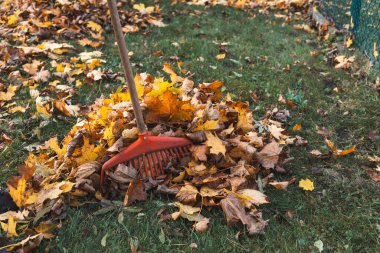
{"points": [[9, 227], [268, 156], [136, 191], [168, 107], [53, 191], [234, 212], [19, 192], [276, 131], [32, 68], [188, 194], [94, 26], [251, 197], [306, 184], [216, 144], [11, 91], [207, 125], [53, 144], [199, 152]]}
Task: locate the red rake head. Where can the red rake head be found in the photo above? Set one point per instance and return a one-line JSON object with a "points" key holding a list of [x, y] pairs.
{"points": [[148, 154]]}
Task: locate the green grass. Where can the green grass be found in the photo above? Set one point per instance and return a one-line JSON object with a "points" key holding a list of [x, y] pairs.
{"points": [[343, 210]]}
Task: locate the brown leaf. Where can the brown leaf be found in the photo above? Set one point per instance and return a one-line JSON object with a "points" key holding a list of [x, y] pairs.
{"points": [[235, 212], [202, 225], [187, 194], [199, 152], [268, 156], [136, 191], [87, 169]]}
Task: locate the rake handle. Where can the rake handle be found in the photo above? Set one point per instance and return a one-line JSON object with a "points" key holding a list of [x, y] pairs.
{"points": [[123, 51]]}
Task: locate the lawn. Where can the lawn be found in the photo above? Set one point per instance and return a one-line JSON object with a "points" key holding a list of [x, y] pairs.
{"points": [[342, 211]]}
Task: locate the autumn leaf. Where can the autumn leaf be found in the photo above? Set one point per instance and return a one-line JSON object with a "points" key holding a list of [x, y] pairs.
{"points": [[136, 191], [94, 26], [283, 185], [216, 144], [297, 127], [53, 144], [168, 108], [234, 212], [10, 227], [269, 155], [220, 56], [306, 184], [187, 194], [202, 225], [251, 197], [338, 152], [53, 191], [207, 125]]}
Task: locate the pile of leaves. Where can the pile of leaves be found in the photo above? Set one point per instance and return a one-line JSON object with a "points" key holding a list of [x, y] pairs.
{"points": [[32, 56], [233, 158]]}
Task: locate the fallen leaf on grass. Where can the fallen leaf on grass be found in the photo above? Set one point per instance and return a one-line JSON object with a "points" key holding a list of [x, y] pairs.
{"points": [[306, 184], [282, 185], [136, 191], [337, 151], [202, 225], [220, 56], [235, 212]]}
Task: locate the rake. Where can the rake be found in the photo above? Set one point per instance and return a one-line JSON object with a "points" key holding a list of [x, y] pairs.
{"points": [[148, 154]]}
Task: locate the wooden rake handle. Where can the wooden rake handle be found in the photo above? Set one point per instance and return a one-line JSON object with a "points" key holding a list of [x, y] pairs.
{"points": [[123, 51]]}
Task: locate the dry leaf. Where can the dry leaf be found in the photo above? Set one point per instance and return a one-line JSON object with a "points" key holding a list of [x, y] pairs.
{"points": [[269, 155]]}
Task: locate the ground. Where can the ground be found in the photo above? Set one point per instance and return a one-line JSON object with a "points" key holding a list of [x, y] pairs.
{"points": [[343, 210]]}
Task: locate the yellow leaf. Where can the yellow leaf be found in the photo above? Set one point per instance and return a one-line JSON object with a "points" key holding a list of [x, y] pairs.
{"points": [[216, 144], [306, 184], [17, 109], [158, 91], [45, 227], [11, 91], [53, 144], [349, 42], [94, 26], [60, 67], [220, 56], [108, 134], [12, 19], [18, 192], [10, 228], [208, 125], [180, 177]]}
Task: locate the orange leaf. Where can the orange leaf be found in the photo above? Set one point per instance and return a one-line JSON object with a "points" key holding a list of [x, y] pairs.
{"points": [[168, 108]]}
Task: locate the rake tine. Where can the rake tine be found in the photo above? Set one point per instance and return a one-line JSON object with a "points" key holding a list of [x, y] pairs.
{"points": [[158, 165], [142, 166], [181, 152], [172, 153], [151, 165], [146, 165], [163, 155], [135, 164], [160, 160]]}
